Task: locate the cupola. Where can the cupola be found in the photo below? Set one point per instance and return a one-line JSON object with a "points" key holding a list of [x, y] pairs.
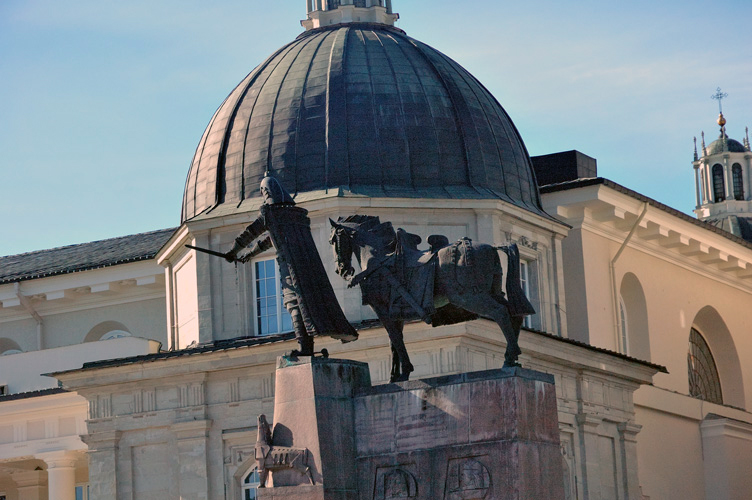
{"points": [[322, 13]]}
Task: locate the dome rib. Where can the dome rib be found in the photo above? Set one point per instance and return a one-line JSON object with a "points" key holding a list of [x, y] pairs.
{"points": [[300, 111], [366, 108], [238, 184]]}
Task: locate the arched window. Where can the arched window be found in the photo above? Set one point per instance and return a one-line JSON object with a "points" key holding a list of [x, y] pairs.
{"points": [[719, 187], [115, 334], [736, 172], [249, 484], [107, 330], [8, 347], [704, 382], [332, 5]]}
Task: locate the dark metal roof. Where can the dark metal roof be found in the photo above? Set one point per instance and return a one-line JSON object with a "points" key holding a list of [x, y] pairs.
{"points": [[716, 146], [366, 109], [32, 394], [82, 257], [738, 226], [246, 342], [580, 183]]}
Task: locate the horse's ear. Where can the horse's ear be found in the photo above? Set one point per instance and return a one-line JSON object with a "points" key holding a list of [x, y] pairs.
{"points": [[334, 224]]}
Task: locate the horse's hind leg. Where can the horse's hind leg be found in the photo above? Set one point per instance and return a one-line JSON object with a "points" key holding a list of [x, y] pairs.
{"points": [[401, 366], [485, 305]]}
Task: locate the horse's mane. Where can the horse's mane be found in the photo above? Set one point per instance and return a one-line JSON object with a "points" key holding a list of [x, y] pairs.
{"points": [[372, 224]]}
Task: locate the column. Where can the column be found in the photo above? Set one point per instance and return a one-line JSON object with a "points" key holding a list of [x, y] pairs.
{"points": [[745, 169], [193, 441], [31, 485], [103, 464], [697, 186], [61, 474], [729, 179], [628, 439]]}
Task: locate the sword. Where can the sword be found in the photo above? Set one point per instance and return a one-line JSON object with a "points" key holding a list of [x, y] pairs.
{"points": [[206, 250]]}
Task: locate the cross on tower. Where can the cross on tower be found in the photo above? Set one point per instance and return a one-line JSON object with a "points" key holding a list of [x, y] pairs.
{"points": [[719, 96]]}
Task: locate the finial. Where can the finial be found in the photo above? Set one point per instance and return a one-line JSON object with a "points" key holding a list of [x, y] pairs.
{"points": [[721, 120], [696, 158], [719, 96], [746, 138], [704, 149]]}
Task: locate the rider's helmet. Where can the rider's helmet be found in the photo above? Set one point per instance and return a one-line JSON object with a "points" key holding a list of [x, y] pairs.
{"points": [[273, 192]]}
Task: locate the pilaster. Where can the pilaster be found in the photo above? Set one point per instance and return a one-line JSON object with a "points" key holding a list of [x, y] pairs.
{"points": [[590, 465], [628, 439], [103, 461], [192, 439], [31, 485]]}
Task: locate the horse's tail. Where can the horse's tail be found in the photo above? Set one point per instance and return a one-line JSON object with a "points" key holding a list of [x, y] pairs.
{"points": [[519, 305]]}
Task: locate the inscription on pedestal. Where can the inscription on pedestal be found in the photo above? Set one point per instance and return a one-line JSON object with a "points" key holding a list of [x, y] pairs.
{"points": [[394, 483], [467, 479]]}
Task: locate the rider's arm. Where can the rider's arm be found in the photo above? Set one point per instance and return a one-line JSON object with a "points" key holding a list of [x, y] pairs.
{"points": [[259, 247], [253, 231]]}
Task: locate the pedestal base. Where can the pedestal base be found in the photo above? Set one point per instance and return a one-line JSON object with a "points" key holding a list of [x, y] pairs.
{"points": [[485, 435]]}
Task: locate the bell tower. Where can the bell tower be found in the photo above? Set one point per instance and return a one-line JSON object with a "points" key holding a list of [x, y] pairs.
{"points": [[323, 13], [723, 172]]}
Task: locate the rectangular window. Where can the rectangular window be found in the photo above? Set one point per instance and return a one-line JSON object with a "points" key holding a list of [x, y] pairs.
{"points": [[3, 392], [525, 283], [529, 284], [271, 315], [82, 492]]}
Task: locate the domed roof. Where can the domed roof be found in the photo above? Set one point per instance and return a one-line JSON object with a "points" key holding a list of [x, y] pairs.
{"points": [[364, 109], [716, 146]]}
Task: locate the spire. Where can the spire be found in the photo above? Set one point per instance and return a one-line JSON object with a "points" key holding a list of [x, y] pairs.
{"points": [[704, 149], [323, 13], [696, 157], [746, 138]]}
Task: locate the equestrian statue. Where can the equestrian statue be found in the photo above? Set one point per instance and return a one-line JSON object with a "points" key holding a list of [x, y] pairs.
{"points": [[447, 284]]}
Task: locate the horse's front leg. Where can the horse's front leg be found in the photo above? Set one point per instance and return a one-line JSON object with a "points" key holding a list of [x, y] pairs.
{"points": [[401, 366]]}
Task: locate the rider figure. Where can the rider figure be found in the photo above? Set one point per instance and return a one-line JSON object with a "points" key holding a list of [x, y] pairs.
{"points": [[306, 291]]}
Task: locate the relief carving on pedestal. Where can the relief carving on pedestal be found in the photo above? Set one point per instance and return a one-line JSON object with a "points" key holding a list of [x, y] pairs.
{"points": [[467, 479], [394, 483]]}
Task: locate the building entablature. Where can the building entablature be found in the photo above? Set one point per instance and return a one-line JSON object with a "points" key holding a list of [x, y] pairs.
{"points": [[82, 290], [42, 423], [615, 212]]}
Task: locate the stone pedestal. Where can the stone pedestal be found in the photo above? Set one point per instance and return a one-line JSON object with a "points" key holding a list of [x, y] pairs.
{"points": [[313, 409], [486, 435]]}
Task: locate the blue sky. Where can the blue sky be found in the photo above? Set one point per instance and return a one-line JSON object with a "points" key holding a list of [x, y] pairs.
{"points": [[102, 102]]}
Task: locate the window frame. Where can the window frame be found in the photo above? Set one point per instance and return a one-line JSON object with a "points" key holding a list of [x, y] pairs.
{"points": [[530, 284], [719, 183], [699, 382], [737, 179], [84, 491], [282, 314], [247, 487]]}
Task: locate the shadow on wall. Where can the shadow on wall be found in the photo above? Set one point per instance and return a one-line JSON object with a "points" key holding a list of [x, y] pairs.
{"points": [[635, 326]]}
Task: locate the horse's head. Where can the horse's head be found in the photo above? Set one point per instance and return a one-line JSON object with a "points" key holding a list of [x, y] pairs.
{"points": [[341, 241]]}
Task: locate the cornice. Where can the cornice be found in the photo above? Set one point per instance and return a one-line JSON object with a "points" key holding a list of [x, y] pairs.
{"points": [[609, 213]]}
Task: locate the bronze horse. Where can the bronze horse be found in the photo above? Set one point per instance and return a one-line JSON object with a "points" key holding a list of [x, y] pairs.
{"points": [[447, 284]]}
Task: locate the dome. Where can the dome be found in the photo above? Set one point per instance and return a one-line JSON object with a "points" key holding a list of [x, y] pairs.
{"points": [[716, 146], [367, 110]]}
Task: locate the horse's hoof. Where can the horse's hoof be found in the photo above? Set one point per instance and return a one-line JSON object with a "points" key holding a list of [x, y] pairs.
{"points": [[324, 354]]}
